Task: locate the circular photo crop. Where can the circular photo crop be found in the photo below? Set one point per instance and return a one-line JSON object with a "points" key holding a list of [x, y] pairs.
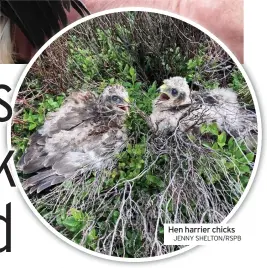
{"points": [[130, 121]]}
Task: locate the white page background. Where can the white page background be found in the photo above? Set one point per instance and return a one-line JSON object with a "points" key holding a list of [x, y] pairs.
{"points": [[33, 245]]}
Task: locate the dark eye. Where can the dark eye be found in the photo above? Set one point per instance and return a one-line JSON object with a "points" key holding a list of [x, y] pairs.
{"points": [[174, 91], [116, 99]]}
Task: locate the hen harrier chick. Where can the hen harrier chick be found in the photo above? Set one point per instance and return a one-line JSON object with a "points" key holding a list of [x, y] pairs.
{"points": [[177, 107], [81, 136]]}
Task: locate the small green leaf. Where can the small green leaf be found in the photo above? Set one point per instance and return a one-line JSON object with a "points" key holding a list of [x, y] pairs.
{"points": [[92, 235], [222, 139], [132, 71], [112, 80], [70, 222], [77, 215], [213, 129], [215, 146], [229, 165], [250, 156], [32, 126], [231, 142], [244, 169]]}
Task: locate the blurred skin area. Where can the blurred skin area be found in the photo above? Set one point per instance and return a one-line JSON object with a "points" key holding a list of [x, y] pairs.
{"points": [[224, 18]]}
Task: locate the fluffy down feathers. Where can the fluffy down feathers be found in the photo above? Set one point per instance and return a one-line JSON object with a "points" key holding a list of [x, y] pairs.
{"points": [[81, 136], [177, 107]]}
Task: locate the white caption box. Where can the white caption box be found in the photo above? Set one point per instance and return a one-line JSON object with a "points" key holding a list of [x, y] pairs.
{"points": [[200, 234]]}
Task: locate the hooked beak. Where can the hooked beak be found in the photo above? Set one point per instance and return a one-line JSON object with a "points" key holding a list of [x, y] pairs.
{"points": [[125, 108], [163, 94], [164, 97]]}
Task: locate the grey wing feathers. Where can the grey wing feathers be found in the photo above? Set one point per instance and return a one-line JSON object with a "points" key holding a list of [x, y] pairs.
{"points": [[34, 150], [81, 137], [38, 157], [73, 112], [42, 180], [221, 106]]}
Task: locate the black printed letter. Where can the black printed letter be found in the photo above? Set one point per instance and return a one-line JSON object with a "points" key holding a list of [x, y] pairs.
{"points": [[5, 167], [7, 220], [5, 105]]}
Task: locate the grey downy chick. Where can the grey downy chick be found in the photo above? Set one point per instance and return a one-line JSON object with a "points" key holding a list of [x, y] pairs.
{"points": [[82, 136], [177, 107]]}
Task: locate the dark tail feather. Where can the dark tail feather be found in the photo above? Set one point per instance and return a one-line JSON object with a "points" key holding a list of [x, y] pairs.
{"points": [[36, 179], [47, 183], [42, 181]]}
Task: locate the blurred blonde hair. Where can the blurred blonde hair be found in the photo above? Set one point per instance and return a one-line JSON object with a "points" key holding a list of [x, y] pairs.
{"points": [[6, 46]]}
